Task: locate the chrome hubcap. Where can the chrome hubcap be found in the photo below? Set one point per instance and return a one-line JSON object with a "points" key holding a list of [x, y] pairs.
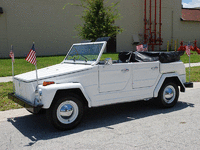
{"points": [[67, 112], [169, 94]]}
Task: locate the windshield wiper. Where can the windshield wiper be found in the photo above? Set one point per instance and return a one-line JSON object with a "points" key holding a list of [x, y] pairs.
{"points": [[85, 58]]}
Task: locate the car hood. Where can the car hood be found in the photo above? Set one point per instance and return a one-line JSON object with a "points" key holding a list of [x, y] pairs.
{"points": [[52, 71]]}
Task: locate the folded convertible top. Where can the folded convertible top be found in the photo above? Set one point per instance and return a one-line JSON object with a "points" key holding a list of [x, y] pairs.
{"points": [[163, 57]]}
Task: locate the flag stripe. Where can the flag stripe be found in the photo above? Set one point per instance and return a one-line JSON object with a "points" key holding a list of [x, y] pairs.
{"points": [[12, 56], [31, 57], [142, 47], [188, 50]]}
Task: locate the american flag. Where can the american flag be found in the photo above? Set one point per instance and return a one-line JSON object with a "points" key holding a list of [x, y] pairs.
{"points": [[31, 57], [188, 50], [145, 47], [139, 48], [12, 55]]}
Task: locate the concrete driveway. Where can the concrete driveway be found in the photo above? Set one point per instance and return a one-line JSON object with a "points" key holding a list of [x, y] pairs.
{"points": [[136, 125]]}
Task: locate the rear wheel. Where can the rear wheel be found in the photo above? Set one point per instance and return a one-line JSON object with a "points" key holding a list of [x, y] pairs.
{"points": [[66, 113], [168, 95]]}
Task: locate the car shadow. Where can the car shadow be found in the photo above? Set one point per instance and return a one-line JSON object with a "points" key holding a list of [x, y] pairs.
{"points": [[37, 127]]}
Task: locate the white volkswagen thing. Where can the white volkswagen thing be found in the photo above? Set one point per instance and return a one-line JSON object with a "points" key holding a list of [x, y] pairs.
{"points": [[83, 80]]}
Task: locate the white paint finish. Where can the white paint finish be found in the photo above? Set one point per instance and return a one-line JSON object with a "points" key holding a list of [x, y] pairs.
{"points": [[100, 84], [25, 90], [114, 77], [125, 95], [48, 92], [177, 67], [145, 74], [107, 80], [52, 71], [162, 79]]}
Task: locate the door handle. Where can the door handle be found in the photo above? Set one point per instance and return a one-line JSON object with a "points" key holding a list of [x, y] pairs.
{"points": [[125, 70], [154, 68]]}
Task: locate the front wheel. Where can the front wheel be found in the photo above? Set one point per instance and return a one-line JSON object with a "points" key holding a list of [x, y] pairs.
{"points": [[168, 95], [66, 113]]}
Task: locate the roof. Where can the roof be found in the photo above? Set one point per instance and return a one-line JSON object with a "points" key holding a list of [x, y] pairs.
{"points": [[190, 14]]}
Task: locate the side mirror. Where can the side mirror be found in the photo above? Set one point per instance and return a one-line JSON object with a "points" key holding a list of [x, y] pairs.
{"points": [[108, 61]]}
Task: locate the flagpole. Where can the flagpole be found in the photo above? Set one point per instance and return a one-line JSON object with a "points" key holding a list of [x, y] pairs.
{"points": [[189, 68], [13, 72], [36, 71], [189, 59]]}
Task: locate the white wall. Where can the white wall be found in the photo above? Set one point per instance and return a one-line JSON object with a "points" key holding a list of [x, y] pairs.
{"points": [[52, 28], [46, 23]]}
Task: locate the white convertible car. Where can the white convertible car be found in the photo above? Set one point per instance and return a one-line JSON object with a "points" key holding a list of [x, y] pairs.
{"points": [[82, 80]]}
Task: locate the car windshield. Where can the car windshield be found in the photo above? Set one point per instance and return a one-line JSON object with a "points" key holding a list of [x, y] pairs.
{"points": [[84, 52]]}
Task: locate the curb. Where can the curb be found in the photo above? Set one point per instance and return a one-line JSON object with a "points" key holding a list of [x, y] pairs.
{"points": [[6, 79]]}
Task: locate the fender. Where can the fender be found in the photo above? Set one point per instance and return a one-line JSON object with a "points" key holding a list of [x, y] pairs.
{"points": [[162, 80], [48, 92]]}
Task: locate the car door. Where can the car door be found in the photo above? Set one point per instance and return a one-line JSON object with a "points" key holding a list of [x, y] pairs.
{"points": [[114, 77], [144, 74]]}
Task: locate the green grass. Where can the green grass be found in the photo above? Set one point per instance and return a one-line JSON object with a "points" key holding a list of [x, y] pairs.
{"points": [[5, 103], [21, 65], [194, 74], [194, 58]]}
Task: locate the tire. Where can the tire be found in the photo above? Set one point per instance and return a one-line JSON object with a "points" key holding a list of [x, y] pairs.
{"points": [[168, 95], [66, 112]]}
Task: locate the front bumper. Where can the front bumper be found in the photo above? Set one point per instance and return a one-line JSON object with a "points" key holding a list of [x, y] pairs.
{"points": [[188, 84], [29, 106]]}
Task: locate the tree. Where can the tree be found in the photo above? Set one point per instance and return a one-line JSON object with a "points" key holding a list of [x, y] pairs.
{"points": [[99, 19]]}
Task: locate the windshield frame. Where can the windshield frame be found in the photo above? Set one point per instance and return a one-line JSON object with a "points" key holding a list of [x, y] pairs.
{"points": [[86, 62]]}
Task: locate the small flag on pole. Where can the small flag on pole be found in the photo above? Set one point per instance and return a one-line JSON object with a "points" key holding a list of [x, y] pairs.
{"points": [[13, 59], [188, 50], [12, 55], [139, 48], [145, 47], [188, 47], [31, 57]]}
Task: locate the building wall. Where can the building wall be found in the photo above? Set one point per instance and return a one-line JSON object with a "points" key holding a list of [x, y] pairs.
{"points": [[133, 21], [52, 28], [189, 31], [172, 27], [46, 23]]}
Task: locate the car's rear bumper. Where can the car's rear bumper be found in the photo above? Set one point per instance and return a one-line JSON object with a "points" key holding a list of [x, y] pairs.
{"points": [[188, 84], [29, 106]]}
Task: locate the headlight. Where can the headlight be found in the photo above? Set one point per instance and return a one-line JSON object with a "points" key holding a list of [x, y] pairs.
{"points": [[38, 95]]}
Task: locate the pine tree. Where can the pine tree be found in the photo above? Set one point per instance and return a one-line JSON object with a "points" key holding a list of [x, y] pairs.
{"points": [[99, 19]]}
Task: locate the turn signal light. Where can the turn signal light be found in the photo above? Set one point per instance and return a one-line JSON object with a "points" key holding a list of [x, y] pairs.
{"points": [[45, 83]]}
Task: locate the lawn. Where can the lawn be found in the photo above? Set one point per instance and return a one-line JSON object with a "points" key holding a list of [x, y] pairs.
{"points": [[21, 65], [194, 74], [194, 58], [5, 103]]}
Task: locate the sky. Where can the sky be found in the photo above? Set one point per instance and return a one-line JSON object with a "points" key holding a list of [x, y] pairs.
{"points": [[190, 3]]}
